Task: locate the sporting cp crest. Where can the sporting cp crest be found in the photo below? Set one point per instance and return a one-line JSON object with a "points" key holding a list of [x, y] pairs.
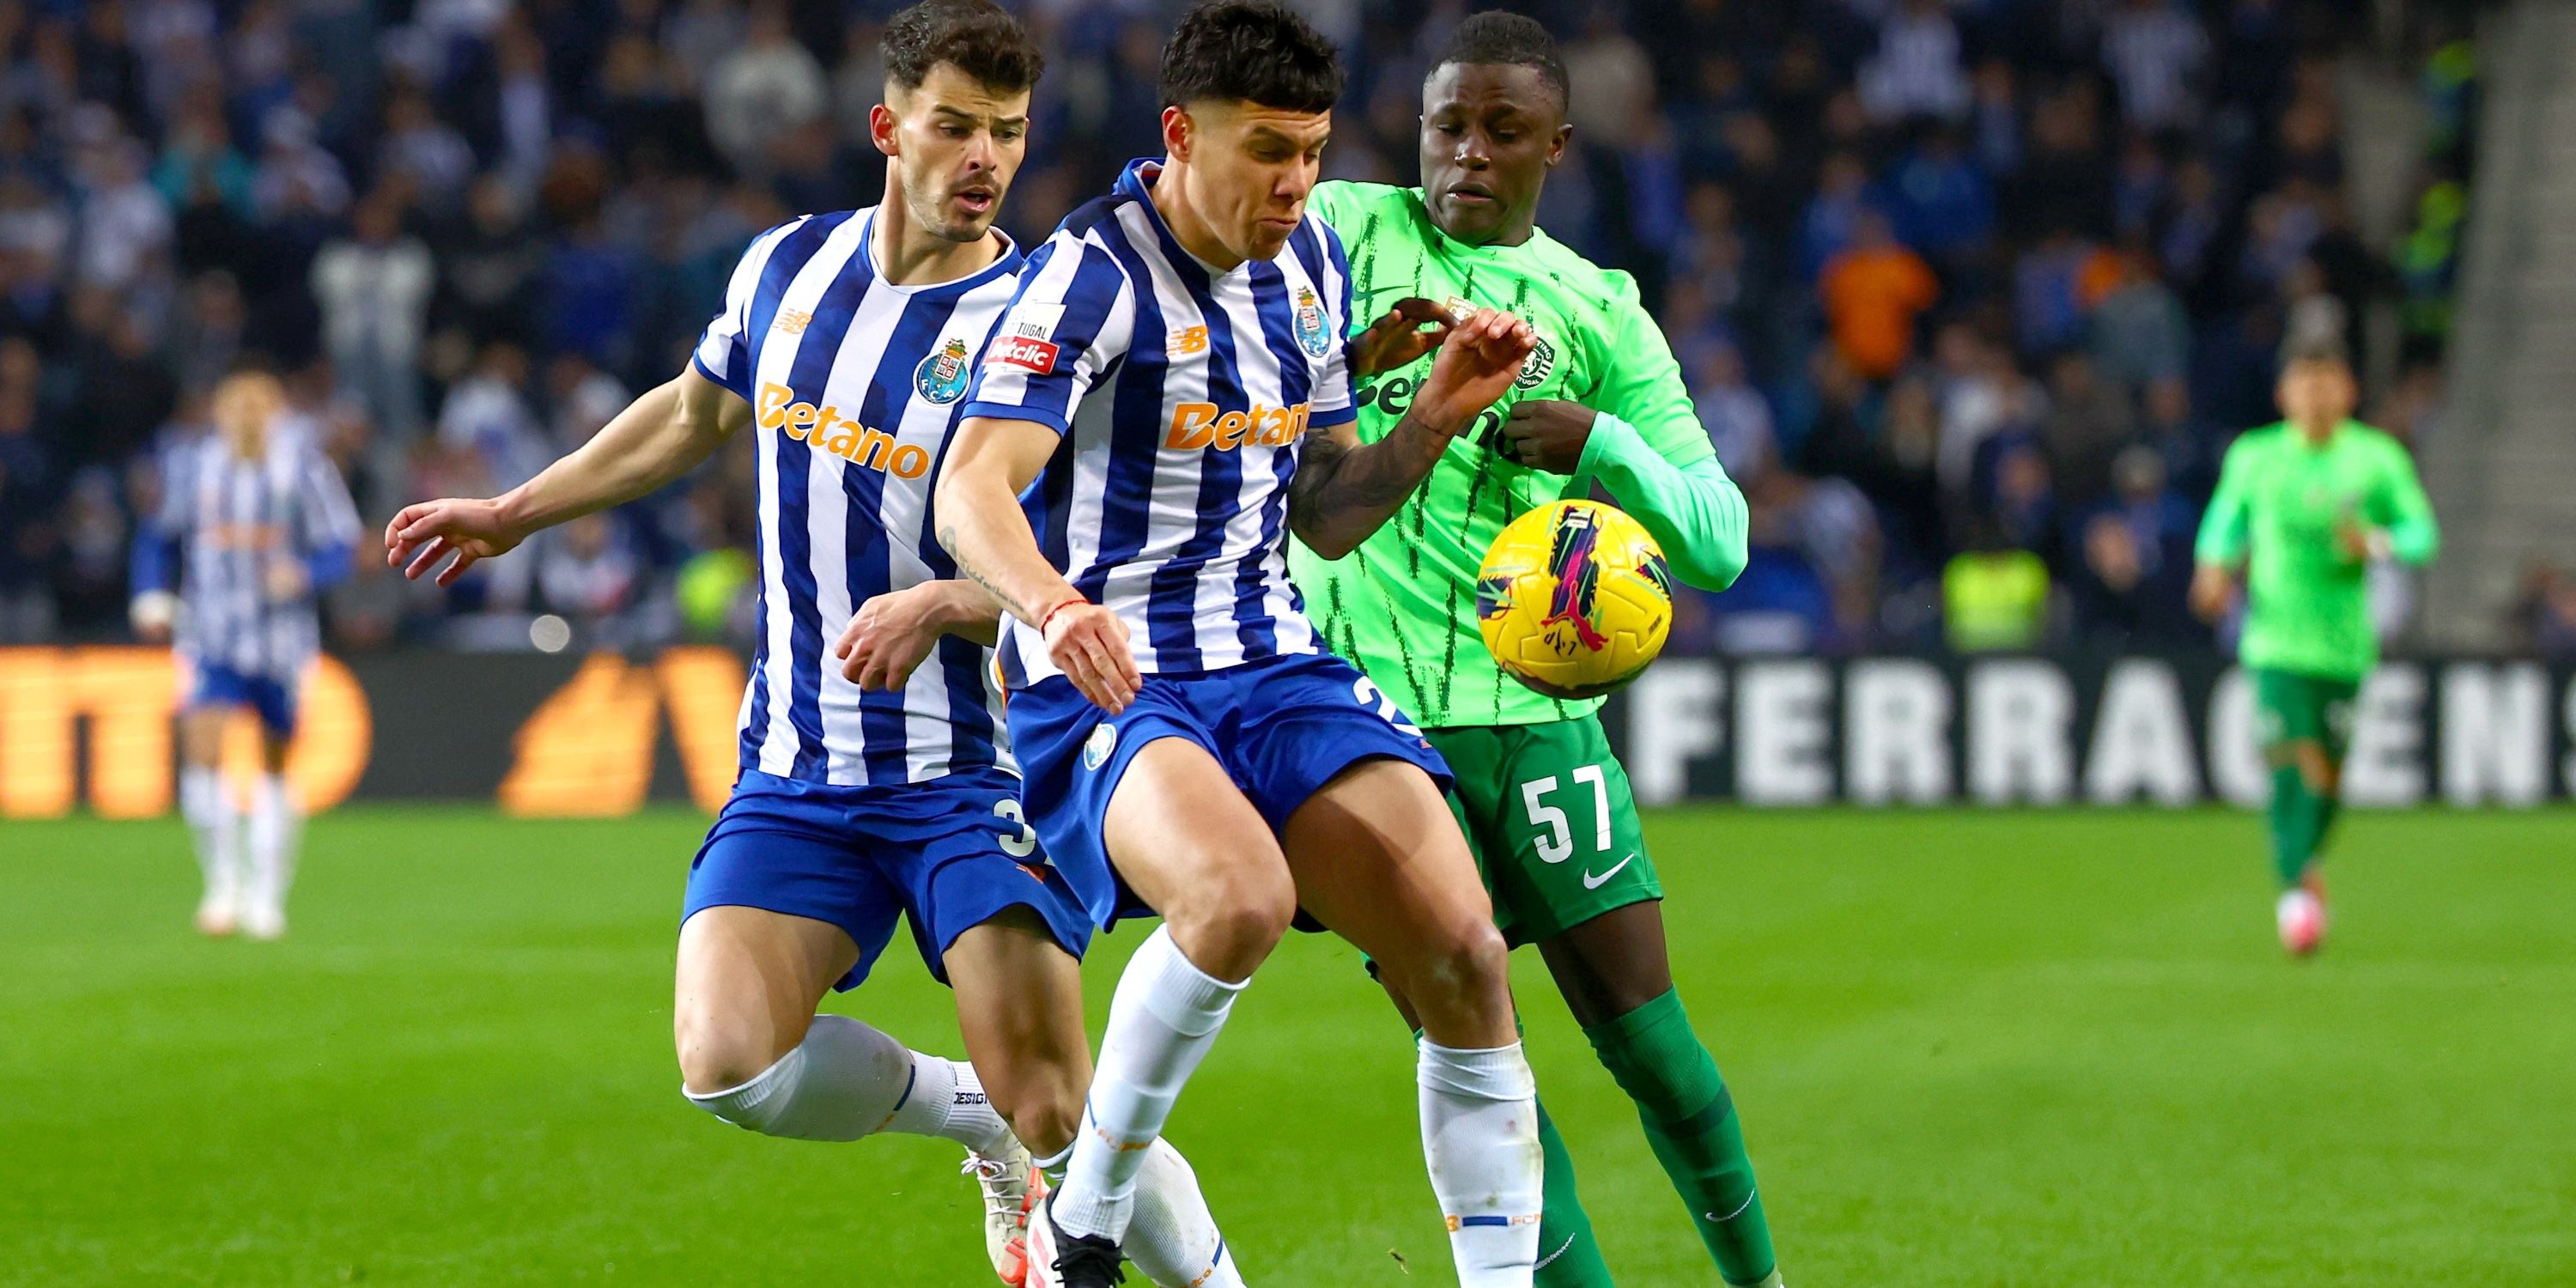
{"points": [[1534, 369], [943, 376], [1311, 334]]}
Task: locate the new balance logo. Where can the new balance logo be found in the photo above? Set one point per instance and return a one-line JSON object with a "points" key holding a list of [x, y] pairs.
{"points": [[792, 321]]}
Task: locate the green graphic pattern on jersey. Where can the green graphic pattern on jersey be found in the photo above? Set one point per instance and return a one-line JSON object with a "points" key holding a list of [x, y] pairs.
{"points": [[1403, 605], [2279, 504]]}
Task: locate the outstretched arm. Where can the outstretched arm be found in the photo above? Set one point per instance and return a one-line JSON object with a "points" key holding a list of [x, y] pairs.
{"points": [[659, 437], [1344, 489]]}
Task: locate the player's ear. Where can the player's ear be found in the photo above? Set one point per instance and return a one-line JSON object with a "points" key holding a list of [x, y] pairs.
{"points": [[1177, 132], [883, 131], [1556, 146]]}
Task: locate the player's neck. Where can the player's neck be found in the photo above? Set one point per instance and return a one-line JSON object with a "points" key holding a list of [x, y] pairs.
{"points": [[2316, 433], [910, 255], [1515, 233], [1171, 197]]}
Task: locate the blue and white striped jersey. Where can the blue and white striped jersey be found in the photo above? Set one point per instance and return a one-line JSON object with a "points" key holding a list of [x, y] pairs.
{"points": [[1185, 395], [855, 383], [238, 518]]}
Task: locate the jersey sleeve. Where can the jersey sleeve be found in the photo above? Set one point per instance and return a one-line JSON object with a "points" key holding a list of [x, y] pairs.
{"points": [[2224, 528], [1070, 324], [2401, 506], [1641, 383], [1331, 403], [723, 354]]}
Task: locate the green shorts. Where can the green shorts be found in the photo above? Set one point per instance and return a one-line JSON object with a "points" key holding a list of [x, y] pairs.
{"points": [[1547, 810], [2291, 707]]}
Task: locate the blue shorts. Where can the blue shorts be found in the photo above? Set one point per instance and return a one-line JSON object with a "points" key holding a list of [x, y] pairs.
{"points": [[272, 698], [951, 852], [1282, 727]]}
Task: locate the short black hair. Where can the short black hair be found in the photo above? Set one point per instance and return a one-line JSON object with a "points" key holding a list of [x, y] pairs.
{"points": [[1256, 51], [976, 37], [1510, 40], [2320, 348]]}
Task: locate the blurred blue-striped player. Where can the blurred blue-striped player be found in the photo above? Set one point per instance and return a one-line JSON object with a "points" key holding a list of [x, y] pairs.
{"points": [[254, 523], [875, 785]]}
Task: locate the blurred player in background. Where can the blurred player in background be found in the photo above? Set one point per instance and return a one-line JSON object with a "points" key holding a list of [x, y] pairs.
{"points": [[1543, 801], [878, 789], [254, 523], [1172, 381], [2302, 508]]}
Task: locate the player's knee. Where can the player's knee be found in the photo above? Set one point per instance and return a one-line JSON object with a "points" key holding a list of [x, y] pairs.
{"points": [[1459, 965], [1235, 917], [718, 1053]]}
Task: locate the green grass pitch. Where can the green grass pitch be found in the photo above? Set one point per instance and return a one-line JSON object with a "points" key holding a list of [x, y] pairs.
{"points": [[2014, 1049]]}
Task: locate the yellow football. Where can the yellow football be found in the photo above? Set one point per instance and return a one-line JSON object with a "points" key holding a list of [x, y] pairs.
{"points": [[1574, 599]]}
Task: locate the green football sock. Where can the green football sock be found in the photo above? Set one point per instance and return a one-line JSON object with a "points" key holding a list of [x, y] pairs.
{"points": [[2297, 821], [1569, 1256], [1691, 1125]]}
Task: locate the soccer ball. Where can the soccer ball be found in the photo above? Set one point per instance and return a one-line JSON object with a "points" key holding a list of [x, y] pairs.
{"points": [[1574, 599]]}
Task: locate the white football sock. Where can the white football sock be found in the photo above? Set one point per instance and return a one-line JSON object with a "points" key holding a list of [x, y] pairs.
{"points": [[272, 844], [209, 811], [1480, 1139], [846, 1080], [1162, 1021], [1173, 1238]]}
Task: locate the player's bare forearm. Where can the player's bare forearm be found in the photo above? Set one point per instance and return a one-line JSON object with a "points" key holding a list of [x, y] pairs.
{"points": [[660, 437], [981, 524], [1345, 490], [966, 610]]}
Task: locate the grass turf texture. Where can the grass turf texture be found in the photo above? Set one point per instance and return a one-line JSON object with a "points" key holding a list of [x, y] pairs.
{"points": [[2000, 1049]]}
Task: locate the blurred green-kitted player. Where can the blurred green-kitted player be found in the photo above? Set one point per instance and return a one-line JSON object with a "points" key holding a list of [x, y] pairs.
{"points": [[2302, 509], [1543, 801]]}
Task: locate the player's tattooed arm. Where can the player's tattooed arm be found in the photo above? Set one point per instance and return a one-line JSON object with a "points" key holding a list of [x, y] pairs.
{"points": [[1344, 489]]}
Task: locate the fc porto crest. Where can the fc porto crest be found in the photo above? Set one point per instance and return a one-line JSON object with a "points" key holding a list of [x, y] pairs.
{"points": [[943, 376], [1311, 333]]}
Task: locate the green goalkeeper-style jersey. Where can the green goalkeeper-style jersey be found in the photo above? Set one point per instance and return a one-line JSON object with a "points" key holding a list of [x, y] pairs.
{"points": [[2279, 506], [1403, 605]]}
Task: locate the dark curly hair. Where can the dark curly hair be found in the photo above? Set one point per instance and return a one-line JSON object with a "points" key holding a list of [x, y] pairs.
{"points": [[1255, 51], [974, 36], [1511, 40]]}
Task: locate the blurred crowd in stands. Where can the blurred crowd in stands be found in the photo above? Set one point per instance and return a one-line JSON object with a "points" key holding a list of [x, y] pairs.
{"points": [[1971, 294]]}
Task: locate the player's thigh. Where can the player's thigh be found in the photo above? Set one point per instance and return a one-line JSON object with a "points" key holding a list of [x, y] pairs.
{"points": [[1019, 1008], [201, 732], [1611, 964], [1195, 850], [2305, 723], [1378, 858], [745, 988]]}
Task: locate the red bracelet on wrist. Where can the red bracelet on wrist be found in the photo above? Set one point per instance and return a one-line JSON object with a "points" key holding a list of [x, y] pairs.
{"points": [[1049, 615]]}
